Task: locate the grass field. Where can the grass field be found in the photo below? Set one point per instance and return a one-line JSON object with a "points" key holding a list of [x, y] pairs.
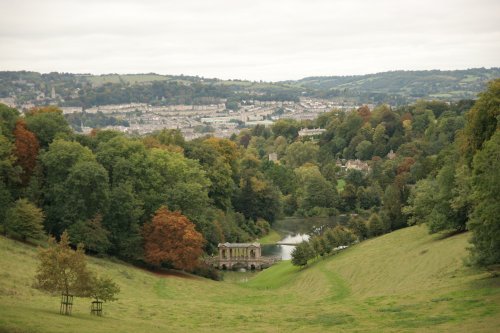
{"points": [[340, 185], [406, 281], [98, 80], [271, 238]]}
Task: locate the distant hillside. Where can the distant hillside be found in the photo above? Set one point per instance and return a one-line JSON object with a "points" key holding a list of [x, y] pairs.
{"points": [[86, 90], [454, 85]]}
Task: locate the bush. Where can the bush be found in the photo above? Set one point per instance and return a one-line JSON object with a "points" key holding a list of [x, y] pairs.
{"points": [[24, 220], [376, 226], [302, 253], [207, 271]]}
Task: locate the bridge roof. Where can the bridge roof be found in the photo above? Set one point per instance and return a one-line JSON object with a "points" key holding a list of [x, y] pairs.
{"points": [[239, 245]]}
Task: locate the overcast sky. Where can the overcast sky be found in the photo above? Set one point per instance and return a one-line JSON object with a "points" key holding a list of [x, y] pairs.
{"points": [[254, 39]]}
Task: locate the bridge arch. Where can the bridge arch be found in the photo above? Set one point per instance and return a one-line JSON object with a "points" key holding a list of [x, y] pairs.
{"points": [[240, 255]]}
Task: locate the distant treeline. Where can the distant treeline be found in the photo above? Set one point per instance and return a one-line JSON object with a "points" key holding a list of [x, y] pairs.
{"points": [[394, 88]]}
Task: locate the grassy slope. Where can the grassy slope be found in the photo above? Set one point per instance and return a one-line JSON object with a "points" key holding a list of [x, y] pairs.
{"points": [[340, 185], [272, 237], [128, 78], [403, 281]]}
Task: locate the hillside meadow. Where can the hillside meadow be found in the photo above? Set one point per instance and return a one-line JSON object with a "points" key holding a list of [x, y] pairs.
{"points": [[405, 281]]}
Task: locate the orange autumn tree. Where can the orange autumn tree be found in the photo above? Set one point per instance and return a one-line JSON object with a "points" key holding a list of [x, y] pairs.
{"points": [[171, 238], [26, 149], [365, 113]]}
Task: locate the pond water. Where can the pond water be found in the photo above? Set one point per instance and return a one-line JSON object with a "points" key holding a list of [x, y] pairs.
{"points": [[283, 251], [296, 230]]}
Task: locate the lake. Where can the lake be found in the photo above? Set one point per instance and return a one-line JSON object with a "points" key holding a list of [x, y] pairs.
{"points": [[283, 251], [297, 230]]}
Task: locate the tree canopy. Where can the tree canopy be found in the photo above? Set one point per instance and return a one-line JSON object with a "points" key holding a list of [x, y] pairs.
{"points": [[171, 238]]}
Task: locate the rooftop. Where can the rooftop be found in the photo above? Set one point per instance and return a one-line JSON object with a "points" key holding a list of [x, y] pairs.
{"points": [[239, 245]]}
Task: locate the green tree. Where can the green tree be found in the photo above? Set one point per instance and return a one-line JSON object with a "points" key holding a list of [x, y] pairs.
{"points": [[63, 270], [393, 203], [380, 139], [287, 128], [179, 183], [9, 176], [125, 160], [370, 196], [314, 190], [219, 168], [280, 175], [5, 201], [104, 289], [317, 246], [482, 119], [329, 171], [257, 197], [421, 201], [87, 189], [302, 253], [364, 150], [61, 157], [349, 198], [355, 177], [76, 186], [25, 220], [170, 137], [349, 128], [8, 118], [376, 226], [133, 196], [358, 227], [47, 123], [484, 222], [122, 220], [91, 233], [339, 236], [299, 153], [447, 212]]}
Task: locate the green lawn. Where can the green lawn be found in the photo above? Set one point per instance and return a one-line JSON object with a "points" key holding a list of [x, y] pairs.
{"points": [[127, 78], [406, 281], [272, 237], [340, 185]]}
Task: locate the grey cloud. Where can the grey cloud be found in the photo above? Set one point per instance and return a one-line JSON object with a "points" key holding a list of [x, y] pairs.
{"points": [[271, 40]]}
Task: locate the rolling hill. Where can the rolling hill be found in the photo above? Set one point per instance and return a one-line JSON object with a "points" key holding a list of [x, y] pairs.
{"points": [[404, 281], [453, 85]]}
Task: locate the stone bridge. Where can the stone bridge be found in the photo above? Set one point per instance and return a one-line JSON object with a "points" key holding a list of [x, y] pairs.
{"points": [[241, 255]]}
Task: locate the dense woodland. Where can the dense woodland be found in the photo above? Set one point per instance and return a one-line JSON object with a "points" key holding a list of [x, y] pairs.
{"points": [[128, 196]]}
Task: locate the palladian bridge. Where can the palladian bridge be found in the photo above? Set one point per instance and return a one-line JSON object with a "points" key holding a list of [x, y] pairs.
{"points": [[241, 255]]}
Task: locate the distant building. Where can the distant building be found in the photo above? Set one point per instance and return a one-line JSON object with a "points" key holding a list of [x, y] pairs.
{"points": [[217, 120], [71, 109], [391, 155], [311, 132], [273, 157], [254, 118], [9, 101], [357, 165], [266, 123]]}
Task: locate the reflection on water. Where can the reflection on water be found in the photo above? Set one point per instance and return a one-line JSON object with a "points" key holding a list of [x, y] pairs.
{"points": [[294, 239], [283, 251], [296, 231]]}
